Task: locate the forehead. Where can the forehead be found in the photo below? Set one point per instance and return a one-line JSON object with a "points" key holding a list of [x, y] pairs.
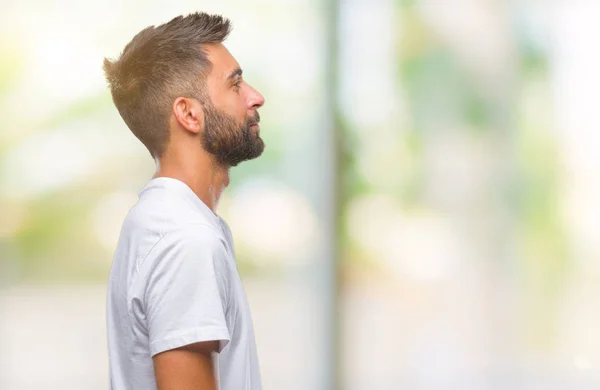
{"points": [[221, 59]]}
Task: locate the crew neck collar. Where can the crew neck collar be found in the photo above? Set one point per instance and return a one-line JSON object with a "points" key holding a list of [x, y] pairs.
{"points": [[186, 192]]}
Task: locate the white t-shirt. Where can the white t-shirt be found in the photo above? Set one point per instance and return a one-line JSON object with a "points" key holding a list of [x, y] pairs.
{"points": [[174, 282]]}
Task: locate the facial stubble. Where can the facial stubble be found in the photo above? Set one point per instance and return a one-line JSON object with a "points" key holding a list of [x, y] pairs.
{"points": [[227, 141]]}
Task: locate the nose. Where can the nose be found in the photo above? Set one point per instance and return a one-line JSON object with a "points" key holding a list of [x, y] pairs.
{"points": [[254, 100]]}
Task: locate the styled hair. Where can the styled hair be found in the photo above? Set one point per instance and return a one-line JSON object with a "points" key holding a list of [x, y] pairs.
{"points": [[160, 64]]}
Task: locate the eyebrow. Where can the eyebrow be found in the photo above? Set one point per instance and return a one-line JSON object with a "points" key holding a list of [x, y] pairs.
{"points": [[236, 72]]}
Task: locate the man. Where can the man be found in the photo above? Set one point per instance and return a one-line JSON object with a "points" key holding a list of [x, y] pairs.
{"points": [[177, 314]]}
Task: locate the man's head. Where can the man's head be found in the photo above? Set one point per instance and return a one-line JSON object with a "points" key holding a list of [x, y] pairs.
{"points": [[177, 83]]}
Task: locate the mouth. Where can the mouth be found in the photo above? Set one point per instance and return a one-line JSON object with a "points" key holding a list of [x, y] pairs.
{"points": [[254, 121]]}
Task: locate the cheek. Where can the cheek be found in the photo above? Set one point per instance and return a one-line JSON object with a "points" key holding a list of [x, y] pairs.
{"points": [[231, 102], [237, 106]]}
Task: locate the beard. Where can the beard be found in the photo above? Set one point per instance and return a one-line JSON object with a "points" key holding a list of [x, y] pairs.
{"points": [[228, 141]]}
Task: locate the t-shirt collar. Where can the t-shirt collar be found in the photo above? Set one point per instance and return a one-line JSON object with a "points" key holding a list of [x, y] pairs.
{"points": [[187, 193]]}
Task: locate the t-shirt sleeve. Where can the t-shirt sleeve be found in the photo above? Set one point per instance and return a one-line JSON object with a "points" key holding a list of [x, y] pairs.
{"points": [[186, 290]]}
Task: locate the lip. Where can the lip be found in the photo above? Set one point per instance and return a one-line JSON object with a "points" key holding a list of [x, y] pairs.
{"points": [[255, 125]]}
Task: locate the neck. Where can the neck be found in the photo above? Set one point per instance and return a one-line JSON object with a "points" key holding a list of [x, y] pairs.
{"points": [[200, 172]]}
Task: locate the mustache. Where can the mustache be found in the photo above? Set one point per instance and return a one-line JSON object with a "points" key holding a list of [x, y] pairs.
{"points": [[254, 120]]}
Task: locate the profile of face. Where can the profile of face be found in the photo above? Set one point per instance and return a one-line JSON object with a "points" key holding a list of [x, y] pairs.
{"points": [[231, 130]]}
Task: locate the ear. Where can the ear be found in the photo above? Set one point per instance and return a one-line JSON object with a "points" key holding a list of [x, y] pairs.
{"points": [[189, 114]]}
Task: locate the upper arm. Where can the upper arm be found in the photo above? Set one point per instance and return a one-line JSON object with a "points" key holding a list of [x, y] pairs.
{"points": [[185, 295], [191, 367]]}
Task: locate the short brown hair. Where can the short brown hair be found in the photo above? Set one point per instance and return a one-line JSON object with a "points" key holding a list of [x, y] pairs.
{"points": [[158, 65]]}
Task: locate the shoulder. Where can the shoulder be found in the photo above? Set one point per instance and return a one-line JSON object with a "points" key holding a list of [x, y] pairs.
{"points": [[193, 237], [188, 253], [162, 215]]}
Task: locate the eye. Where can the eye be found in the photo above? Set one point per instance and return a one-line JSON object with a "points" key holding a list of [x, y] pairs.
{"points": [[237, 85]]}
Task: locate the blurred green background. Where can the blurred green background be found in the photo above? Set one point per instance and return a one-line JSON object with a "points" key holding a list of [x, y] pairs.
{"points": [[424, 216]]}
